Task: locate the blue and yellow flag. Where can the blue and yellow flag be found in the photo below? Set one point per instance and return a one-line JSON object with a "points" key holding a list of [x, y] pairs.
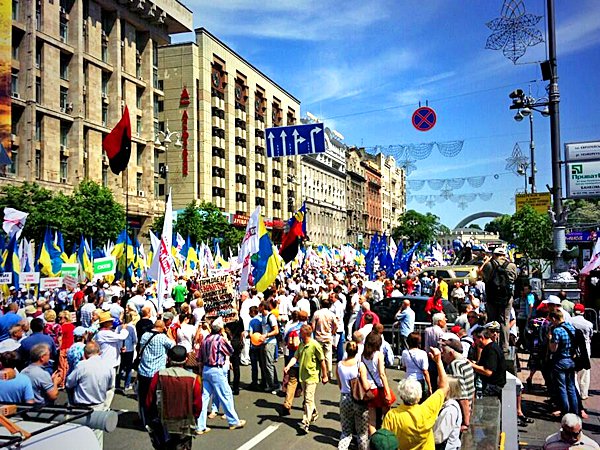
{"points": [[12, 261], [267, 263], [84, 258], [50, 258]]}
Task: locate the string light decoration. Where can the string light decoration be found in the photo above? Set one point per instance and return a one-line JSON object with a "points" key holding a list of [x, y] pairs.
{"points": [[516, 160], [514, 31]]}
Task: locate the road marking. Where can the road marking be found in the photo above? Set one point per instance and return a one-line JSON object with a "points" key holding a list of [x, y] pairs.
{"points": [[259, 437]]}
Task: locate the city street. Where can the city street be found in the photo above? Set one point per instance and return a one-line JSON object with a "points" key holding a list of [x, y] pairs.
{"points": [[266, 429]]}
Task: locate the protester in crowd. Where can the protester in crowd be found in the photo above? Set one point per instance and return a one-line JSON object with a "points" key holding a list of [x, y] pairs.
{"points": [[554, 304], [354, 416], [491, 366], [75, 352], [255, 329], [235, 332], [13, 342], [66, 341], [459, 367], [411, 422], [87, 311], [434, 332], [416, 364], [38, 337], [292, 341], [587, 329], [15, 387], [406, 323], [311, 358], [154, 345], [173, 421], [45, 386], [324, 324], [213, 351], [570, 436], [267, 349], [447, 428], [499, 274], [563, 367], [373, 360], [127, 353]]}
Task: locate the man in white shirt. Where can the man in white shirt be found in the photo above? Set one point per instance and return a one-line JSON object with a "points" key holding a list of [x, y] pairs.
{"points": [[554, 304], [110, 343], [303, 304]]}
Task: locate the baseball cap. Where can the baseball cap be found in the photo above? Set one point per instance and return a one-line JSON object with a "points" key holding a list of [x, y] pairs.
{"points": [[79, 331], [384, 439], [494, 326], [579, 307], [455, 329], [449, 337], [499, 251], [552, 300]]}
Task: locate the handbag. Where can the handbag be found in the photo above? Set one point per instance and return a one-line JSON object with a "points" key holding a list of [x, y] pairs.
{"points": [[138, 358], [359, 393]]}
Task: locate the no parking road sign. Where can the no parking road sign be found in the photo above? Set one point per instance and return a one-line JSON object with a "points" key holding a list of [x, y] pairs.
{"points": [[424, 118]]}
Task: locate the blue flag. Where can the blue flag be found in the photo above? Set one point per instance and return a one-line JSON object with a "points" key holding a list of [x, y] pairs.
{"points": [[407, 258]]}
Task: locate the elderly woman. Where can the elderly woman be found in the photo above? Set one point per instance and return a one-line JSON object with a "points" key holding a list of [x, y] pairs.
{"points": [[446, 430], [411, 422]]}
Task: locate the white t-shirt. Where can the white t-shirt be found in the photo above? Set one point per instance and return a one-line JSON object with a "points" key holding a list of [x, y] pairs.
{"points": [[304, 305], [185, 336], [415, 361]]}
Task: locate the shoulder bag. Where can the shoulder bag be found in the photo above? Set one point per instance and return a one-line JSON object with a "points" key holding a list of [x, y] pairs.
{"points": [[358, 392]]}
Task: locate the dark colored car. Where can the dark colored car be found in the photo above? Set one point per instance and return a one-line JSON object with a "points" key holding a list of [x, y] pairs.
{"points": [[387, 308]]}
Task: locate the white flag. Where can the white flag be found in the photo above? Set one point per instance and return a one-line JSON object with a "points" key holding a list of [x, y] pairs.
{"points": [[14, 221], [250, 245], [595, 261], [164, 257], [393, 248]]}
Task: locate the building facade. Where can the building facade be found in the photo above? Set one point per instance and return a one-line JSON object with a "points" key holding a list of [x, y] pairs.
{"points": [[372, 195], [393, 192], [218, 105], [324, 190], [76, 64], [356, 214]]}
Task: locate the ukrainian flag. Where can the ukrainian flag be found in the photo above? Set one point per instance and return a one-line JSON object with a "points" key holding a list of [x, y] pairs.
{"points": [[12, 261], [84, 257], [119, 247], [267, 262], [50, 258], [191, 257]]}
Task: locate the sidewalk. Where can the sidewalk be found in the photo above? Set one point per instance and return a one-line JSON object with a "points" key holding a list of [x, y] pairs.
{"points": [[533, 436]]}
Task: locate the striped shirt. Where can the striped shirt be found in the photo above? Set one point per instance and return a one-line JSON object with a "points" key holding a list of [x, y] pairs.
{"points": [[214, 350], [461, 369], [154, 357]]}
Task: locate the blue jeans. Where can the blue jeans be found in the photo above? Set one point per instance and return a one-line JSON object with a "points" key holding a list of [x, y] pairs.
{"points": [[254, 362], [563, 373], [215, 385], [340, 346]]}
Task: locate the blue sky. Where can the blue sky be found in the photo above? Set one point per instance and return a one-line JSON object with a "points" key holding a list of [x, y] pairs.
{"points": [[362, 67]]}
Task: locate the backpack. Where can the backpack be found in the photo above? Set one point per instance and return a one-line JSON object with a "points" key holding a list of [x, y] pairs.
{"points": [[293, 340], [498, 289], [578, 350]]}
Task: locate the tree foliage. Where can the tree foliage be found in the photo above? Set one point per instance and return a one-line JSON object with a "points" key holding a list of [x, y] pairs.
{"points": [[583, 212], [91, 210], [532, 232], [203, 223], [502, 226], [414, 226]]}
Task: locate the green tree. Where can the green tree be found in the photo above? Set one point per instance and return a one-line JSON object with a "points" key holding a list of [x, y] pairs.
{"points": [[532, 232], [93, 212], [414, 226], [583, 212], [203, 223], [475, 226], [502, 226]]}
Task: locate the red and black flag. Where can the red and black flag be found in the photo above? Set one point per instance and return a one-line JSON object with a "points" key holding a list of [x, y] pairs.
{"points": [[294, 233], [117, 144]]}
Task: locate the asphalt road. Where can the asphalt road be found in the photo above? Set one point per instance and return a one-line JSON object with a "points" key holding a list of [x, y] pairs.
{"points": [[264, 428]]}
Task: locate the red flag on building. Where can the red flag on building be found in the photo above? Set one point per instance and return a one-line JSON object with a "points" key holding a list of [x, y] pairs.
{"points": [[117, 144], [294, 233]]}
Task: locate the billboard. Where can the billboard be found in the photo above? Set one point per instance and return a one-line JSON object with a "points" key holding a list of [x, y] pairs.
{"points": [[5, 82], [583, 179], [540, 201]]}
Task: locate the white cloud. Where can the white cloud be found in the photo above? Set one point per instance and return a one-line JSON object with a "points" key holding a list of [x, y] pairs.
{"points": [[302, 20], [580, 31]]}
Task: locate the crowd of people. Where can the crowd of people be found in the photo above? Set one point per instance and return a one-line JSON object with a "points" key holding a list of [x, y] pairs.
{"points": [[98, 339]]}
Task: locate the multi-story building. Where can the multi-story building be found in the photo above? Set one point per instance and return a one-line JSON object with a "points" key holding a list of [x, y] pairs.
{"points": [[393, 192], [76, 64], [372, 195], [220, 105], [324, 190], [356, 215]]}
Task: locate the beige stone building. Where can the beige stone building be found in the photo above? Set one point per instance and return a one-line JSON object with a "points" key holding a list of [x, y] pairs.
{"points": [[75, 65], [229, 104], [393, 192], [324, 190], [356, 214]]}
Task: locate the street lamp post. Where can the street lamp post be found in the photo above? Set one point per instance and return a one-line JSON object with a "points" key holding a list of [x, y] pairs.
{"points": [[163, 139]]}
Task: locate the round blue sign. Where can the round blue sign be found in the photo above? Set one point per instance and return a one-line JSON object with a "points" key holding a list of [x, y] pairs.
{"points": [[424, 118]]}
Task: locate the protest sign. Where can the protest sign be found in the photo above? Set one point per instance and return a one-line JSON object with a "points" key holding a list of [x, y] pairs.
{"points": [[217, 294]]}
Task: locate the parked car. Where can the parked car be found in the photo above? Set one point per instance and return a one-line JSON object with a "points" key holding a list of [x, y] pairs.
{"points": [[387, 308]]}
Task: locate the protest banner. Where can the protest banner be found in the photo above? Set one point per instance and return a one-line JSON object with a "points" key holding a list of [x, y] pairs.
{"points": [[217, 294], [5, 277], [49, 283], [26, 278]]}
